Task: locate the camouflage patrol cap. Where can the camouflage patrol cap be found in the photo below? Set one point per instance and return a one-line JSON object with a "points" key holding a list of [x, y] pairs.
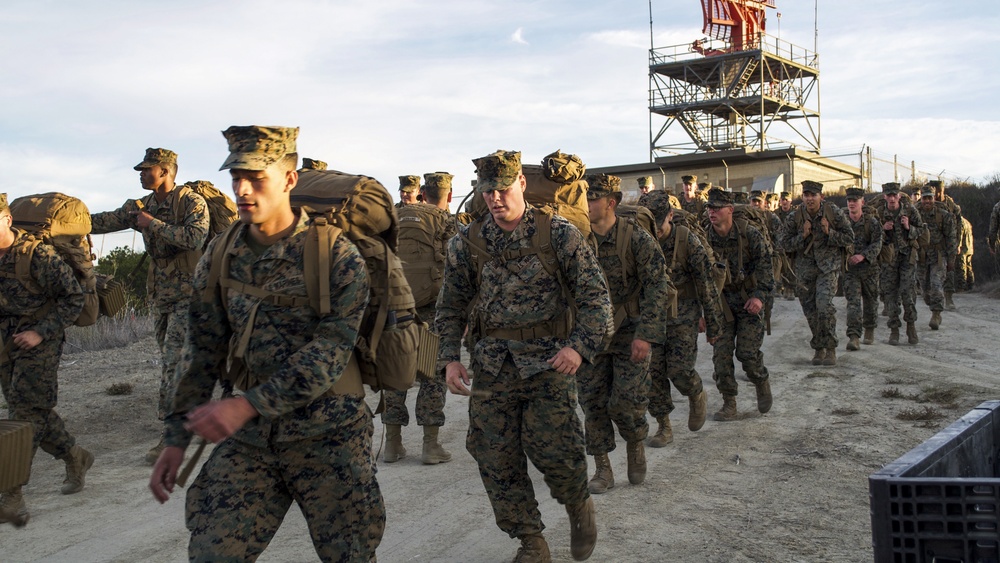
{"points": [[890, 188], [758, 194], [311, 164], [689, 179], [409, 184], [719, 198], [704, 186], [658, 203], [255, 147], [604, 185], [786, 195], [645, 181], [497, 171], [937, 184], [3, 203], [438, 181], [772, 196], [156, 157], [928, 191], [855, 193], [812, 187], [742, 198]]}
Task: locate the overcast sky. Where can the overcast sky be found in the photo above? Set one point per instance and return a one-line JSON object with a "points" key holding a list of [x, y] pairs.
{"points": [[393, 87]]}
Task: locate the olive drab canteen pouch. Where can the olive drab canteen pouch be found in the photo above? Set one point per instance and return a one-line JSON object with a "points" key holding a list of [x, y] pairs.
{"points": [[15, 453], [423, 248], [111, 295], [222, 210], [63, 222]]}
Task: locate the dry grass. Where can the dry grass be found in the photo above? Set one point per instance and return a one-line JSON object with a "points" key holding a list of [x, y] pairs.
{"points": [[943, 396], [119, 389], [892, 393], [920, 414], [128, 327], [844, 412]]}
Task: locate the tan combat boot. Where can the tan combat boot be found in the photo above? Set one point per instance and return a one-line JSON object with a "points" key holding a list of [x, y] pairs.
{"points": [[728, 410], [697, 409], [764, 398], [394, 450], [78, 462], [533, 549], [636, 462], [604, 478], [911, 333], [894, 336], [948, 303], [664, 434], [830, 359], [582, 529], [853, 344], [433, 452], [935, 321], [819, 356], [12, 508], [869, 337], [154, 453]]}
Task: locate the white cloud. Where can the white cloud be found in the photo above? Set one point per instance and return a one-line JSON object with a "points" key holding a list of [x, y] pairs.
{"points": [[518, 36]]}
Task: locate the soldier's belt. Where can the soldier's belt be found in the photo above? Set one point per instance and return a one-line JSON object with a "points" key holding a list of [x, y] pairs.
{"points": [[558, 329]]}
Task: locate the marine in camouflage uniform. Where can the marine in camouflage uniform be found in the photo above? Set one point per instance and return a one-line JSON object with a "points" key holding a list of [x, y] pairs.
{"points": [[174, 225], [949, 204], [691, 200], [409, 191], [525, 352], [436, 195], [32, 326], [861, 279], [939, 256], [300, 429], [819, 234], [690, 269], [966, 278], [901, 228], [758, 199], [749, 282], [785, 285], [615, 387]]}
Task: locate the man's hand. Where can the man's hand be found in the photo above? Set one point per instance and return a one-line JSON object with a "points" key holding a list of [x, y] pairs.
{"points": [[825, 224], [640, 350], [218, 420], [164, 476], [27, 340], [701, 324], [753, 306], [856, 259], [807, 228], [888, 226], [566, 361], [457, 378], [905, 222], [142, 219]]}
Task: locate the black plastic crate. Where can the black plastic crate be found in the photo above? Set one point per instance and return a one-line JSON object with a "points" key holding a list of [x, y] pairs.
{"points": [[940, 503]]}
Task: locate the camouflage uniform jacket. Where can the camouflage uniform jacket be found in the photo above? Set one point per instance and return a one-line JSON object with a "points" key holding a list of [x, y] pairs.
{"points": [[648, 279], [941, 224], [949, 204], [756, 278], [965, 245], [58, 283], [295, 354], [902, 239], [826, 250], [519, 294], [695, 205], [163, 239], [867, 240], [776, 227], [993, 235], [694, 273]]}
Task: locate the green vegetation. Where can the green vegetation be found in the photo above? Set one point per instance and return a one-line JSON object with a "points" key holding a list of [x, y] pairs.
{"points": [[130, 268]]}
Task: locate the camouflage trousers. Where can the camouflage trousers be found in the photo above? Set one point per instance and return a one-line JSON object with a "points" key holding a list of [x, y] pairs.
{"points": [[242, 493], [430, 398], [965, 278], [171, 330], [816, 291], [896, 280], [673, 362], [614, 389], [861, 288], [512, 420], [932, 272], [743, 336], [30, 384]]}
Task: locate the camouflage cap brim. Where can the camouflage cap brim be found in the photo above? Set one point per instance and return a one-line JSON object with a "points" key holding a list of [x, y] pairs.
{"points": [[248, 161]]}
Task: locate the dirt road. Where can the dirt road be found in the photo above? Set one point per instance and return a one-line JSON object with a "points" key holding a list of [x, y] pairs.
{"points": [[787, 486]]}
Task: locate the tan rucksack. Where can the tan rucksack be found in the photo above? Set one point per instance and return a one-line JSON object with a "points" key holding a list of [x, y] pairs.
{"points": [[641, 215], [359, 207], [685, 223], [63, 222], [423, 248], [221, 210]]}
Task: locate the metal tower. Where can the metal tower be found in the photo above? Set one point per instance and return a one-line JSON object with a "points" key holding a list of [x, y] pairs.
{"points": [[739, 88]]}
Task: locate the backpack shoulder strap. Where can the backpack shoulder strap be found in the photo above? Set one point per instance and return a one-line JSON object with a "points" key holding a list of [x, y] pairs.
{"points": [[680, 246], [543, 240], [22, 265], [477, 248], [316, 263], [218, 274]]}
